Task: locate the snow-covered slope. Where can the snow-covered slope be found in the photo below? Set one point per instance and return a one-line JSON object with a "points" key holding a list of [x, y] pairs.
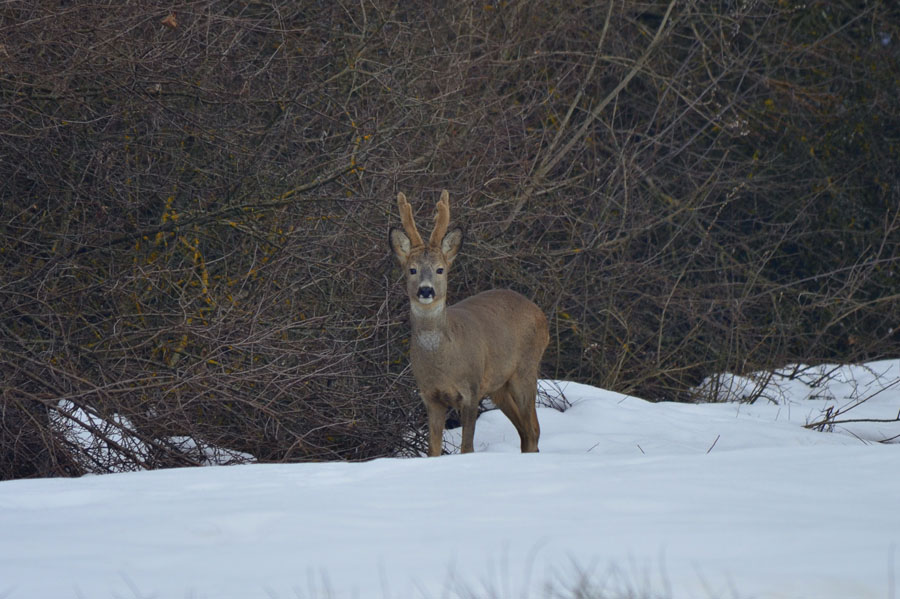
{"points": [[665, 500]]}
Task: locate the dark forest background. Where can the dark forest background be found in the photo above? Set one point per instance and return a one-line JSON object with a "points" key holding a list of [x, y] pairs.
{"points": [[195, 198]]}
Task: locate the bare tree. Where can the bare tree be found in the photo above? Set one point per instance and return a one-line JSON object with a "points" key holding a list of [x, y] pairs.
{"points": [[686, 187]]}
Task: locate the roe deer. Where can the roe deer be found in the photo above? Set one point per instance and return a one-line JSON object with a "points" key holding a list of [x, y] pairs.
{"points": [[487, 344]]}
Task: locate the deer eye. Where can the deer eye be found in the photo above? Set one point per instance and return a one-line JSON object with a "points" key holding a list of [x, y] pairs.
{"points": [[440, 271], [412, 271]]}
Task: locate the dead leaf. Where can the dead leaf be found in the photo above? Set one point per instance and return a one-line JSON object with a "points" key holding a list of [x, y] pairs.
{"points": [[169, 21]]}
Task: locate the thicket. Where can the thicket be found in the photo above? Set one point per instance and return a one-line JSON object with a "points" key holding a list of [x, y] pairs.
{"points": [[196, 197]]}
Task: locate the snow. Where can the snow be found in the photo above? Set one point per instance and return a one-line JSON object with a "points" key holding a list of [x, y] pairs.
{"points": [[627, 498], [113, 441]]}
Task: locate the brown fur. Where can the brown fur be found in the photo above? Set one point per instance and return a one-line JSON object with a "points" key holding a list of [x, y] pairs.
{"points": [[488, 344]]}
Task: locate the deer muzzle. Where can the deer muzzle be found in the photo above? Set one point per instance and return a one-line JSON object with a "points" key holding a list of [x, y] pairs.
{"points": [[425, 294]]}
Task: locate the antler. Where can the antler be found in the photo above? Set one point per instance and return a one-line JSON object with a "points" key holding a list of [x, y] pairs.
{"points": [[406, 217], [441, 219]]}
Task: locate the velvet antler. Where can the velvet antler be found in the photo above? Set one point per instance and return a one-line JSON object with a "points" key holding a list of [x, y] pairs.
{"points": [[441, 219], [406, 218]]}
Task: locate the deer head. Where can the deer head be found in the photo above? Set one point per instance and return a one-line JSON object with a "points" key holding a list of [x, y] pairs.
{"points": [[427, 266]]}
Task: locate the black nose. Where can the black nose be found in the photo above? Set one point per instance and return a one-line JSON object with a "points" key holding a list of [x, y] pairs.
{"points": [[426, 292]]}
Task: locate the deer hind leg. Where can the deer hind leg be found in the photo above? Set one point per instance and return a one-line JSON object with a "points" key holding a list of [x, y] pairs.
{"points": [[523, 388], [504, 399]]}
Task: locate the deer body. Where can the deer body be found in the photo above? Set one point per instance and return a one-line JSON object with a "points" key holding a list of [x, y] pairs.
{"points": [[488, 344]]}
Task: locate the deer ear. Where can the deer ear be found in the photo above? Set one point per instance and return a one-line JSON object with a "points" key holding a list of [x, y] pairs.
{"points": [[451, 243], [400, 243]]}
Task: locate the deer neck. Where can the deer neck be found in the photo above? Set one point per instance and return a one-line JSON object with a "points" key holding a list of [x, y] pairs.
{"points": [[429, 326]]}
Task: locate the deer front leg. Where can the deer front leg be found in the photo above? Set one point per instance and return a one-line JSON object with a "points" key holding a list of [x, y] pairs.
{"points": [[468, 412], [437, 417]]}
